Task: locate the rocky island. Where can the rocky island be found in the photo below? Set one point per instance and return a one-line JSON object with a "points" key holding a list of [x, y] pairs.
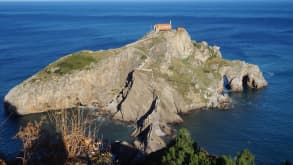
{"points": [[149, 82]]}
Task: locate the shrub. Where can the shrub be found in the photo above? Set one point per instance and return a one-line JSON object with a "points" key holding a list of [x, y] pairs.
{"points": [[245, 158], [182, 152], [225, 160], [29, 136], [78, 136], [40, 145], [203, 159], [69, 142]]}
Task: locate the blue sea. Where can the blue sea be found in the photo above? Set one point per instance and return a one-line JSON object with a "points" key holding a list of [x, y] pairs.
{"points": [[34, 34]]}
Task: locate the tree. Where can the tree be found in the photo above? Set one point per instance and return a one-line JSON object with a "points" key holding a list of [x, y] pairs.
{"points": [[225, 160], [203, 159], [245, 158], [182, 152]]}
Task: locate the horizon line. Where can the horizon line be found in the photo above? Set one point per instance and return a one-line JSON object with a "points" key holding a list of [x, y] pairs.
{"points": [[143, 1]]}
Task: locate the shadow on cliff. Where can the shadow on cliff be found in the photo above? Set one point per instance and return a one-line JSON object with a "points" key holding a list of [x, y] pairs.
{"points": [[45, 147], [10, 109], [126, 154], [140, 122], [124, 92]]}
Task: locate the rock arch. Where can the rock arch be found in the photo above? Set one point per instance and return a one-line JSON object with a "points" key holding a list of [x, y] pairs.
{"points": [[245, 82], [226, 83]]}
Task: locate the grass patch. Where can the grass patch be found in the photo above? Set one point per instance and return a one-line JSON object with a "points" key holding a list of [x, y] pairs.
{"points": [[73, 62], [68, 64], [212, 52], [218, 61], [156, 40], [186, 78], [182, 77]]}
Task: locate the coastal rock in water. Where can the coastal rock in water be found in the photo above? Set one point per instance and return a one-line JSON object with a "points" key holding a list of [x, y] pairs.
{"points": [[184, 74], [148, 129], [241, 74]]}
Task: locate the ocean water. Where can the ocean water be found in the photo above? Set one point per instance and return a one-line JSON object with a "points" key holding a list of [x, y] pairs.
{"points": [[34, 34]]}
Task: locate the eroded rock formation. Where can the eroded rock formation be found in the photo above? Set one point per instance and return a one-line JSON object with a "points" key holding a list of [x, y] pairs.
{"points": [[149, 82]]}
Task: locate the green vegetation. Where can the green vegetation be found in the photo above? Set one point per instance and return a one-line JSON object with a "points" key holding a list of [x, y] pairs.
{"points": [[182, 77], [245, 158], [225, 160], [217, 61], [157, 40], [212, 52], [183, 150], [68, 64], [187, 77], [80, 61], [197, 45], [74, 62]]}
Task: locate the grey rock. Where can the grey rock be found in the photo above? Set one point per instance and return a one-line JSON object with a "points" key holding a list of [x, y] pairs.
{"points": [[155, 63], [165, 68]]}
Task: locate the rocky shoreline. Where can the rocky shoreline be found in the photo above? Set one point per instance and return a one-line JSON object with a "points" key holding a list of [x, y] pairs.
{"points": [[148, 83]]}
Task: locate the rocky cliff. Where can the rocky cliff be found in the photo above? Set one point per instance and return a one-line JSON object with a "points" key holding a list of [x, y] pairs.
{"points": [[150, 81]]}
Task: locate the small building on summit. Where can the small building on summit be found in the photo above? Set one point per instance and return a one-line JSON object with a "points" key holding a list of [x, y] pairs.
{"points": [[163, 27], [180, 29]]}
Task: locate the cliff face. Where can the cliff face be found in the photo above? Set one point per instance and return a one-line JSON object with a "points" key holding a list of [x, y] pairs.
{"points": [[185, 75], [148, 82]]}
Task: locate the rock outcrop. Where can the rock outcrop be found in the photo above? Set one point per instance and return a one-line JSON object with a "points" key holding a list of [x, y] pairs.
{"points": [[186, 75], [150, 82]]}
